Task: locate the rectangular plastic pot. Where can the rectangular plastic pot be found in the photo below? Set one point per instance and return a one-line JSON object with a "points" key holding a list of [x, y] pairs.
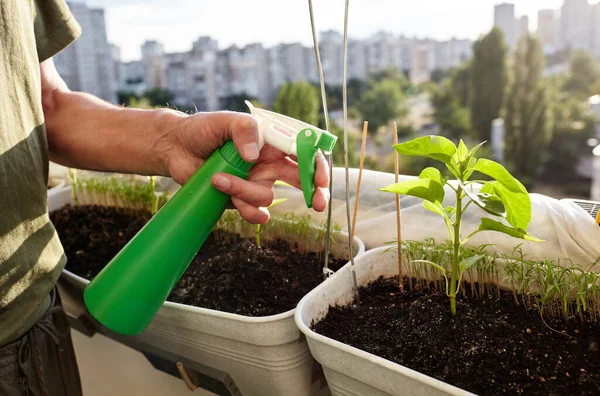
{"points": [[263, 355], [350, 371]]}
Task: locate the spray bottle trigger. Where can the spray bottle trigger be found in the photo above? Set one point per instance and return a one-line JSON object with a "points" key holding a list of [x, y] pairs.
{"points": [[306, 147]]}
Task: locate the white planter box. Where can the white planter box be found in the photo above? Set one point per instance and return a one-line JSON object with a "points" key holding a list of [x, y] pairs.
{"points": [[351, 371], [265, 356]]}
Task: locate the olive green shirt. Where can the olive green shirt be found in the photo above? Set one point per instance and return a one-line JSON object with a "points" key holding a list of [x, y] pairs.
{"points": [[31, 255]]}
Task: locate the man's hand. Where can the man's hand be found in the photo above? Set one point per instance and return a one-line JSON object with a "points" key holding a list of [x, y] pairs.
{"points": [[87, 133], [188, 144]]}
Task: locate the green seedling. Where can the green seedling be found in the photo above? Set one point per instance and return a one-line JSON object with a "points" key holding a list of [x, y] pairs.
{"points": [[257, 227], [554, 288], [504, 198], [73, 173]]}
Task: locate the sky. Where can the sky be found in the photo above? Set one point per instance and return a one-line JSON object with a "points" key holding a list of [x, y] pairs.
{"points": [[177, 23]]}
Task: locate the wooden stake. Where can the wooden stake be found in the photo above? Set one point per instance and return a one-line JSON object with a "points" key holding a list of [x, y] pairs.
{"points": [[360, 169], [398, 222]]}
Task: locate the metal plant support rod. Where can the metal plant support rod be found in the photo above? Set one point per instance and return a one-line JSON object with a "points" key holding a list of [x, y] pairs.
{"points": [[330, 156], [345, 110]]}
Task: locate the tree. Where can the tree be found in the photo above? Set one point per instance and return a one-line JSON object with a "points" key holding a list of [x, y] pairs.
{"points": [[528, 128], [461, 84], [142, 103], [298, 100], [238, 102], [383, 102], [573, 126], [453, 119], [583, 74], [124, 97], [488, 82], [159, 97]]}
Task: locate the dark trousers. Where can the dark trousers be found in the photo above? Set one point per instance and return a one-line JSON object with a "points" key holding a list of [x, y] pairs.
{"points": [[41, 362]]}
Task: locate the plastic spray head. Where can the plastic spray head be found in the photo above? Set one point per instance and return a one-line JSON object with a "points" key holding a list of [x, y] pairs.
{"points": [[297, 138]]}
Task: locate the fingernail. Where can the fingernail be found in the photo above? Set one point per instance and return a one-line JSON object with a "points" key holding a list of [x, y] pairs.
{"points": [[251, 151], [221, 182]]}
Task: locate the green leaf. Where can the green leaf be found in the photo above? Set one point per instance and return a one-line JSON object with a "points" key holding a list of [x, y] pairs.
{"points": [[432, 173], [468, 262], [518, 206], [474, 150], [492, 225], [499, 173], [488, 202], [436, 147], [461, 153], [427, 189], [512, 193], [450, 210], [442, 269], [437, 209], [470, 168], [488, 188]]}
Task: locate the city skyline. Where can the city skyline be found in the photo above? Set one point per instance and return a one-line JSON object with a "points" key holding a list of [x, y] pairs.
{"points": [[177, 23]]}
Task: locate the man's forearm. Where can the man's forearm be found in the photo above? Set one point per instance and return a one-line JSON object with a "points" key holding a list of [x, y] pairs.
{"points": [[86, 132]]}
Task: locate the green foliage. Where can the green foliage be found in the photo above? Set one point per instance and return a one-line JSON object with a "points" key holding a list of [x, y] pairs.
{"points": [[528, 128], [454, 119], [355, 88], [382, 103], [583, 74], [159, 97], [298, 100], [125, 97], [460, 84], [118, 190], [488, 82], [258, 228], [238, 103], [156, 97], [143, 103], [504, 197], [553, 288], [338, 150], [438, 75], [573, 126]]}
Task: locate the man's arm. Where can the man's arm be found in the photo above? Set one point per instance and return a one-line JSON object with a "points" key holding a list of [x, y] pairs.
{"points": [[88, 133]]}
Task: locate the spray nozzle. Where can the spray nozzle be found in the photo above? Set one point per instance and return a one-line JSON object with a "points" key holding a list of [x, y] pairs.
{"points": [[296, 138]]}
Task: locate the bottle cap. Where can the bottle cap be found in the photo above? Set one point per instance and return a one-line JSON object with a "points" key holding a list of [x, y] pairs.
{"points": [[229, 152]]}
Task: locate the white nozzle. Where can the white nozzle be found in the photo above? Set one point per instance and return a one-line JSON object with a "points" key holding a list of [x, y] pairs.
{"points": [[278, 130]]}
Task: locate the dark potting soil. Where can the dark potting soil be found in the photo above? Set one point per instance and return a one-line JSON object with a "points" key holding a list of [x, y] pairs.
{"points": [[491, 347], [230, 275]]}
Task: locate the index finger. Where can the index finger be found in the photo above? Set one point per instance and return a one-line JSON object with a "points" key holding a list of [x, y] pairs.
{"points": [[322, 171]]}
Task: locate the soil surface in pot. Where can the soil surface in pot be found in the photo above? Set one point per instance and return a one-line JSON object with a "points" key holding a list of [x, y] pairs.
{"points": [[492, 346], [230, 275]]}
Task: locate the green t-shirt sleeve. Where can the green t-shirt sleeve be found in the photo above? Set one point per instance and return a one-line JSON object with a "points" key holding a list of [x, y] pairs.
{"points": [[55, 27]]}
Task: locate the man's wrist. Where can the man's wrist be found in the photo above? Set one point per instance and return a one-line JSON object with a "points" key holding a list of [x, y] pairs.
{"points": [[166, 122]]}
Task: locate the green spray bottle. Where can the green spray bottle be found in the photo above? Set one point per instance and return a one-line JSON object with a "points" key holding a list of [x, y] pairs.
{"points": [[126, 295]]}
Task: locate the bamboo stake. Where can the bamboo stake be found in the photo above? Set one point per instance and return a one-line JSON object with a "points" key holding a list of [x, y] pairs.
{"points": [[398, 220], [360, 170]]}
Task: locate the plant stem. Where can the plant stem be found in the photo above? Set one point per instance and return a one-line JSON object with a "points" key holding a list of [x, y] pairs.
{"points": [[398, 216], [456, 255], [153, 198], [74, 178], [257, 234]]}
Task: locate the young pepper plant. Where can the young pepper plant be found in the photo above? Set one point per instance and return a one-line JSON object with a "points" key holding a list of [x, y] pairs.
{"points": [[503, 197]]}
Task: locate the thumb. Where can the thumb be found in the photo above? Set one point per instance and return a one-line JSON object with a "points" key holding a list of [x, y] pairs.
{"points": [[244, 132]]}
